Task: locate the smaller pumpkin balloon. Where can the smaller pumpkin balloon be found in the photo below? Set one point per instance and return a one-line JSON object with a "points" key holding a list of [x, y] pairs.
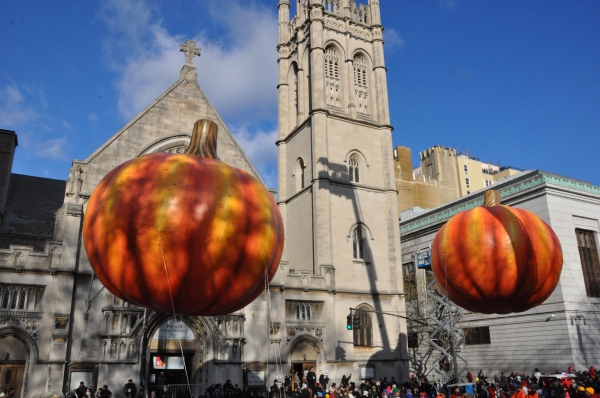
{"points": [[496, 259], [184, 233]]}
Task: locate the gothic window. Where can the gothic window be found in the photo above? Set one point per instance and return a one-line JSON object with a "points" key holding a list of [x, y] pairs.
{"points": [[5, 297], [332, 76], [353, 168], [13, 298], [361, 87], [590, 264], [358, 243], [299, 174], [363, 336], [22, 297], [303, 312]]}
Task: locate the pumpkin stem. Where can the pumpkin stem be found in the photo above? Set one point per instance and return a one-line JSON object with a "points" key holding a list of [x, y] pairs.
{"points": [[491, 197], [204, 139]]}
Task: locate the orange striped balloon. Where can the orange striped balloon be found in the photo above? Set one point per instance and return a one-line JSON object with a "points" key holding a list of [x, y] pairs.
{"points": [[183, 233], [496, 259]]}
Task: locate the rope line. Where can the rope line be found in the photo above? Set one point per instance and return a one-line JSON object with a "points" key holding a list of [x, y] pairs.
{"points": [[174, 313]]}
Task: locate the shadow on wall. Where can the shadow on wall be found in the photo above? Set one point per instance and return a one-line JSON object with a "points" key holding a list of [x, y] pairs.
{"points": [[332, 172]]}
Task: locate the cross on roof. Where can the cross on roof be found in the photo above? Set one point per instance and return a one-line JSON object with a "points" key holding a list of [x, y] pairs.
{"points": [[190, 49]]}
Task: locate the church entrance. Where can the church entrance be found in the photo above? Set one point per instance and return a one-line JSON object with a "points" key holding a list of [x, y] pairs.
{"points": [[13, 357], [305, 354], [302, 369], [172, 358]]}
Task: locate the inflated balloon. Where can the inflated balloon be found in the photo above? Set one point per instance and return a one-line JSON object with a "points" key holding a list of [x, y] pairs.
{"points": [[496, 259], [184, 233]]}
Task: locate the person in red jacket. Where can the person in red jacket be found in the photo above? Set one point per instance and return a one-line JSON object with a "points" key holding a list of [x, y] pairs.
{"points": [[532, 393], [519, 393]]}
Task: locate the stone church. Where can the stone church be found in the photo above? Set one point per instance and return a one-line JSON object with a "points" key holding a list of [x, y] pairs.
{"points": [[337, 197]]}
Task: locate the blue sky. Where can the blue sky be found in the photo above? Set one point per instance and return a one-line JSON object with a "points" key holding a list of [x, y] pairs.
{"points": [[513, 82]]}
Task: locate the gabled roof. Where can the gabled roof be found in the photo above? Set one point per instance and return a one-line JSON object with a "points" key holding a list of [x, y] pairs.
{"points": [[161, 120]]}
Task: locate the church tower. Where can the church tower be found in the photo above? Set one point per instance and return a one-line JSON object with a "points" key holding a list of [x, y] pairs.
{"points": [[336, 191]]}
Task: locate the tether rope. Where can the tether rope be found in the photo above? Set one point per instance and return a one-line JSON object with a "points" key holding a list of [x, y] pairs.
{"points": [[174, 313]]}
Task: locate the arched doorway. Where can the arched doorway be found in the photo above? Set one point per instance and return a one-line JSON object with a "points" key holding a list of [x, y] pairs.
{"points": [[305, 353], [175, 356], [14, 357]]}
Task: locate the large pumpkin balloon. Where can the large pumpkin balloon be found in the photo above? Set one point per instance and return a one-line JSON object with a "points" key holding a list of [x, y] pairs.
{"points": [[184, 233], [496, 259]]}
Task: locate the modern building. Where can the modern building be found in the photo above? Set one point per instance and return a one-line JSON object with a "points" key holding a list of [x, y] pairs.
{"points": [[563, 331], [60, 326]]}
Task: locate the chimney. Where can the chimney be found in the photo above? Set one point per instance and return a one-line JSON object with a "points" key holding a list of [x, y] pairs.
{"points": [[8, 143]]}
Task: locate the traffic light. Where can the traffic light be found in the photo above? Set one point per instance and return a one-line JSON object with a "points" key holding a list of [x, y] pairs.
{"points": [[356, 321], [349, 322]]}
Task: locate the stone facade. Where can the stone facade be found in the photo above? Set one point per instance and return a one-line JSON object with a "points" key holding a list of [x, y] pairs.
{"points": [[68, 328], [561, 332]]}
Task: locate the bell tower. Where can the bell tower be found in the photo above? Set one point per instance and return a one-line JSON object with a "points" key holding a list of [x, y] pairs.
{"points": [[336, 191]]}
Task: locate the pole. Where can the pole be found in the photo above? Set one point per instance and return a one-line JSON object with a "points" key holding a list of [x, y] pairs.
{"points": [[66, 386], [453, 340]]}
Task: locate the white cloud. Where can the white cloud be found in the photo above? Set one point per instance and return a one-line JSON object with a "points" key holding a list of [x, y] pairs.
{"points": [[392, 39], [447, 5], [14, 111], [54, 148], [93, 118], [238, 71], [260, 148], [22, 108]]}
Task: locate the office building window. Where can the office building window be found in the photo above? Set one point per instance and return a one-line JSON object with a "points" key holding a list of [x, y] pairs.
{"points": [[590, 264], [475, 336]]}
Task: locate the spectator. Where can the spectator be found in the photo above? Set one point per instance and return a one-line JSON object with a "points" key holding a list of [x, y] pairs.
{"points": [[165, 393], [105, 393], [130, 389], [80, 391], [311, 379]]}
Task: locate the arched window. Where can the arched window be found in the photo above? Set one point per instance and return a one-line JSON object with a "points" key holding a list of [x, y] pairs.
{"points": [[299, 174], [353, 168], [361, 87], [332, 76], [358, 243], [363, 336]]}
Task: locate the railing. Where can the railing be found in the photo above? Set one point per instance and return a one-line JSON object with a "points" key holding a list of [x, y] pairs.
{"points": [[178, 390]]}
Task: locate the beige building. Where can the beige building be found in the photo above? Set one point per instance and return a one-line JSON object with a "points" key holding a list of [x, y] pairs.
{"points": [[59, 326], [442, 176], [417, 191]]}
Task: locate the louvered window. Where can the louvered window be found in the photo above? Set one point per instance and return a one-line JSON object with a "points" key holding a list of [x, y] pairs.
{"points": [[332, 76], [361, 87]]}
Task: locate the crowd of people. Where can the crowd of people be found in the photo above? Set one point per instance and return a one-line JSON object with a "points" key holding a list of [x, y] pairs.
{"points": [[570, 384]]}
